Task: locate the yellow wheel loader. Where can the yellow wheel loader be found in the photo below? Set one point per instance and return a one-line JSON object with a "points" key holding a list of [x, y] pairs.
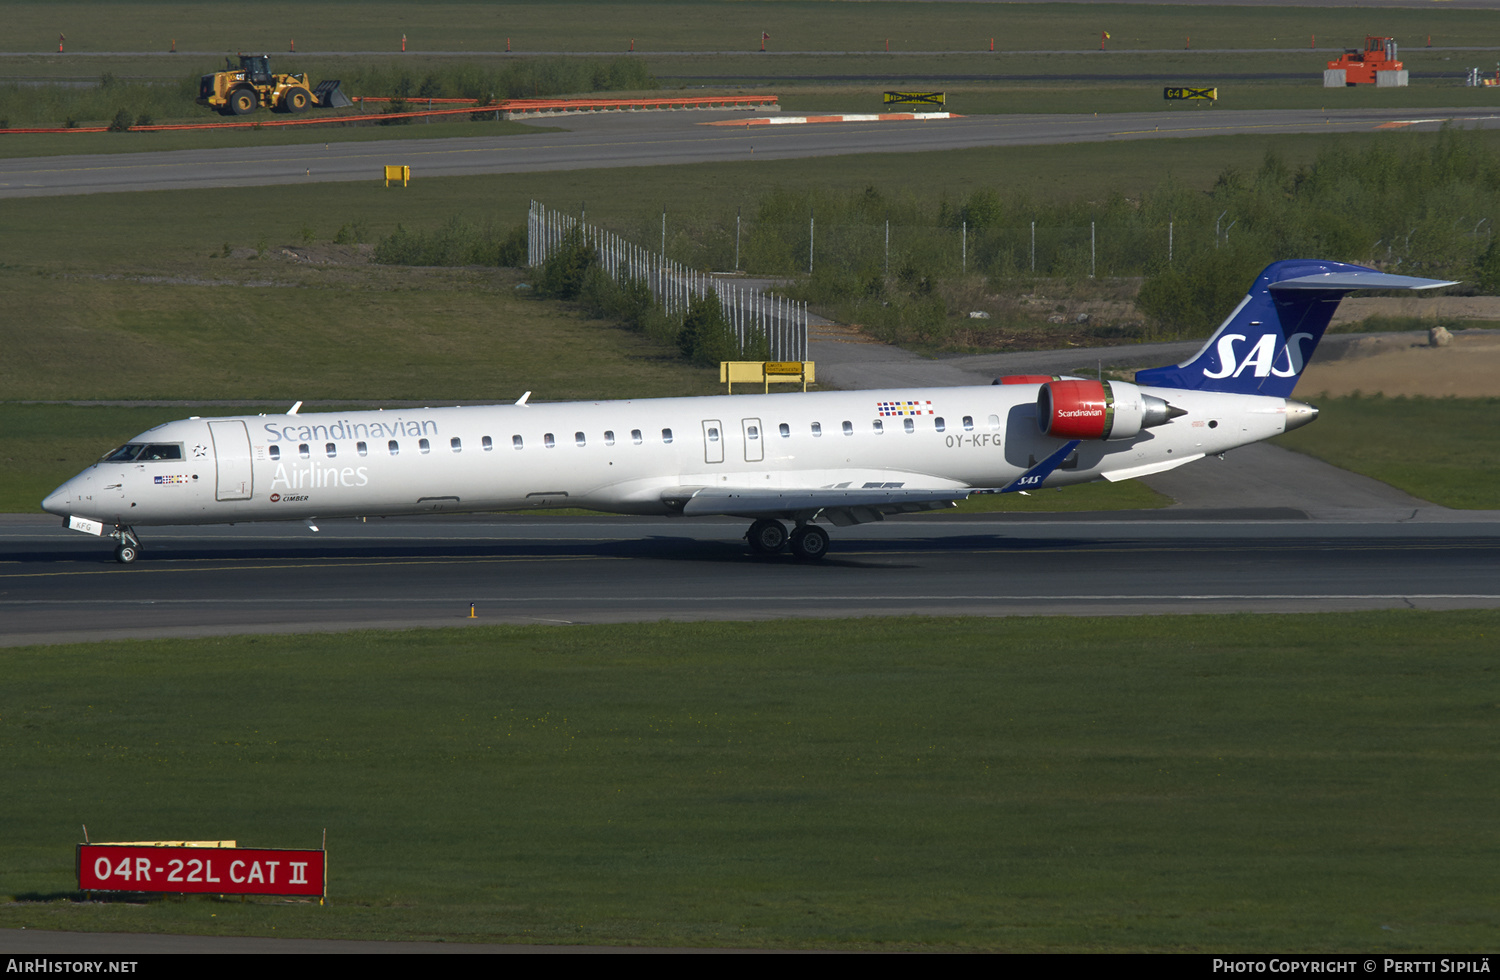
{"points": [[242, 90]]}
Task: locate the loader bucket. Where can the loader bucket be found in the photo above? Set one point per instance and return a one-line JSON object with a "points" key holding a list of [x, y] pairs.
{"points": [[330, 96]]}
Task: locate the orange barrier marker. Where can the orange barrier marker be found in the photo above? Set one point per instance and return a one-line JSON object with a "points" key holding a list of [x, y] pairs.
{"points": [[992, 44], [174, 45], [403, 42], [292, 46], [507, 45], [60, 39], [632, 44]]}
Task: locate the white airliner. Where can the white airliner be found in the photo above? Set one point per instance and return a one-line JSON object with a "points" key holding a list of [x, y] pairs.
{"points": [[838, 457]]}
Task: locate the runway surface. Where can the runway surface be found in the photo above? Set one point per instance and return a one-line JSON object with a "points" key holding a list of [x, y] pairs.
{"points": [[656, 139], [61, 586]]}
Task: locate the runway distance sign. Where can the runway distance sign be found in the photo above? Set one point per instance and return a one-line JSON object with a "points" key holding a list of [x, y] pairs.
{"points": [[915, 98], [1212, 94], [201, 870]]}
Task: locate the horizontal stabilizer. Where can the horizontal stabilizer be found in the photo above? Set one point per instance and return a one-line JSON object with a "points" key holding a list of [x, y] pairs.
{"points": [[1348, 281]]}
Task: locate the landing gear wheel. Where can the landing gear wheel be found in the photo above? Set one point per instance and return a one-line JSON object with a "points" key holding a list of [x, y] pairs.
{"points": [[243, 101], [126, 553], [809, 543], [766, 537]]}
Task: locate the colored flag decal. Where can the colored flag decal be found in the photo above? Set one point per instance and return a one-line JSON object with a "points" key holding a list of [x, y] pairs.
{"points": [[903, 408], [179, 478]]}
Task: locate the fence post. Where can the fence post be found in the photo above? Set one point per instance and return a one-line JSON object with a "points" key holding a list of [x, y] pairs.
{"points": [[809, 241]]}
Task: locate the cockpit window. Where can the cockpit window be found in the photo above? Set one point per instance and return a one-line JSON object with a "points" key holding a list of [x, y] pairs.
{"points": [[124, 454], [143, 452]]}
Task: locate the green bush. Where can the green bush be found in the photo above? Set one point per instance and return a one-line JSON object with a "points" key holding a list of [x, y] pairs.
{"points": [[563, 272], [457, 242]]}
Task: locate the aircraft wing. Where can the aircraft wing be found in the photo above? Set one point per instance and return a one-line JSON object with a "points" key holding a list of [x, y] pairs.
{"points": [[840, 507]]}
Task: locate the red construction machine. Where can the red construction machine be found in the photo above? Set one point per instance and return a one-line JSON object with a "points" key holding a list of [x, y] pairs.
{"points": [[1367, 67]]}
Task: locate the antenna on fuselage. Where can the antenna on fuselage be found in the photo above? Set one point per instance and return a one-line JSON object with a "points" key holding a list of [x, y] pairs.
{"points": [[293, 409], [522, 399]]}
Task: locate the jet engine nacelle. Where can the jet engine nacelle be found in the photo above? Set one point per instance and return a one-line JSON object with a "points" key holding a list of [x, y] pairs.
{"points": [[1099, 410]]}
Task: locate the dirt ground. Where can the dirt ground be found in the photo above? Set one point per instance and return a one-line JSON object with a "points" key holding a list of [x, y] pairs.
{"points": [[1404, 364]]}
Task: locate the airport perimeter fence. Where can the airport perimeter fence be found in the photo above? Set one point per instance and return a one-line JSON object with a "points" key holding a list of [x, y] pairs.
{"points": [[752, 314]]}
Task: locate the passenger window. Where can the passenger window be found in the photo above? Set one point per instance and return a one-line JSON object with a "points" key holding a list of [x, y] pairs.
{"points": [[394, 447], [332, 450], [817, 430], [487, 443], [548, 441], [753, 432], [275, 452], [968, 423], [994, 423], [635, 436], [848, 428], [713, 434], [941, 425], [517, 442], [879, 427], [786, 431], [578, 438], [362, 449], [609, 437], [666, 436], [910, 426], [456, 444], [424, 446], [304, 451]]}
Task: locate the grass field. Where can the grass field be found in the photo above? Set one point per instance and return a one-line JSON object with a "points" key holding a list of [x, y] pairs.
{"points": [[1251, 783], [156, 232], [705, 25], [1438, 449]]}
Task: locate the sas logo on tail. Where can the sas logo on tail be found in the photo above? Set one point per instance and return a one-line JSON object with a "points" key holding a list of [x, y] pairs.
{"points": [[1262, 359]]}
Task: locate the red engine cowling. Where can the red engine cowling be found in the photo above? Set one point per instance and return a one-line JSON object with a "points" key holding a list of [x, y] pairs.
{"points": [[1099, 410], [1026, 379]]}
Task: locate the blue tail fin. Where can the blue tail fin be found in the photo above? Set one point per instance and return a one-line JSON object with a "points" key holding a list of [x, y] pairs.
{"points": [[1264, 344]]}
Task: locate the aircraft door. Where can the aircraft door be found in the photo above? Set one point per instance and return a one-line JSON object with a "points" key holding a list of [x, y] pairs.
{"points": [[231, 460], [755, 450], [713, 441]]}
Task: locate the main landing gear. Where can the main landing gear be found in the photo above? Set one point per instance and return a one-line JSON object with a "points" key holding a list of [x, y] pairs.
{"points": [[129, 547], [808, 541]]}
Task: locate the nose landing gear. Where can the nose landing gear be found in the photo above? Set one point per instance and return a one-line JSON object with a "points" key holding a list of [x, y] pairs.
{"points": [[129, 547]]}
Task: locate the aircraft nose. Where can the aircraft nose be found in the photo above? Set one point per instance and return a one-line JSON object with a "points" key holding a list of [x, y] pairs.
{"points": [[57, 502]]}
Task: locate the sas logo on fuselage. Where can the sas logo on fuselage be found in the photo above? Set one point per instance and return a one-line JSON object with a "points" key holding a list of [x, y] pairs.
{"points": [[1262, 359]]}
